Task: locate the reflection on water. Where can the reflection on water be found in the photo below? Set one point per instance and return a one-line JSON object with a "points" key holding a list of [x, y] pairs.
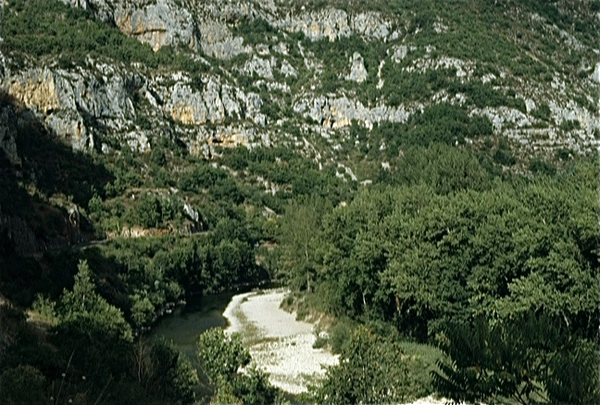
{"points": [[185, 323]]}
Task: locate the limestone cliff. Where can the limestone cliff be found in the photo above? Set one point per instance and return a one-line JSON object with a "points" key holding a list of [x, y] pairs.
{"points": [[262, 73]]}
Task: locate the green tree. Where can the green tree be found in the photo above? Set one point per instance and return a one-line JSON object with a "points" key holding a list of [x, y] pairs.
{"points": [[172, 377], [93, 333], [148, 212], [221, 355], [298, 230], [23, 384], [158, 157], [254, 388], [224, 394], [371, 371], [528, 359]]}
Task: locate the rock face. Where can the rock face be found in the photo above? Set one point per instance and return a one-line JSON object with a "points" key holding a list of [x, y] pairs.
{"points": [[53, 96], [193, 108], [371, 25], [218, 42], [340, 112], [65, 98], [79, 105], [258, 90], [332, 24], [358, 73], [211, 105], [160, 24], [596, 74], [400, 53], [261, 67], [288, 70]]}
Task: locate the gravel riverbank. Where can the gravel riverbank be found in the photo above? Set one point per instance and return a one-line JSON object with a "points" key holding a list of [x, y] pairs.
{"points": [[278, 343]]}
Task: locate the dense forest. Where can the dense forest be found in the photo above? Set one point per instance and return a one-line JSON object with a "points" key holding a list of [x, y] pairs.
{"points": [[498, 270], [453, 256], [502, 275]]}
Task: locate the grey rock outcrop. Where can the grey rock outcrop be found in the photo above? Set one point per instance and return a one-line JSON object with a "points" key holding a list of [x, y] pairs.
{"points": [[64, 98], [400, 53], [504, 117], [196, 108], [217, 41], [212, 104], [329, 23], [370, 25], [596, 74], [340, 112], [102, 9], [261, 67], [52, 96], [571, 111], [288, 70], [332, 24], [358, 73], [160, 24]]}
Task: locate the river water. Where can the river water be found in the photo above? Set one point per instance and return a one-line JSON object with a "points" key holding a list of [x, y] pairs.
{"points": [[185, 323], [279, 344]]}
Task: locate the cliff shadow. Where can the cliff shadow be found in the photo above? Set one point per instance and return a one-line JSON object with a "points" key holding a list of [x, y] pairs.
{"points": [[43, 183]]}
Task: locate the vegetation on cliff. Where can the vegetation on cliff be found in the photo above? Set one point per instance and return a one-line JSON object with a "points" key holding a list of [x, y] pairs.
{"points": [[439, 206]]}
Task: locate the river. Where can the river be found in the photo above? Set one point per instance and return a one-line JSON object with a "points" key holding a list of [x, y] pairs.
{"points": [[279, 344], [184, 324]]}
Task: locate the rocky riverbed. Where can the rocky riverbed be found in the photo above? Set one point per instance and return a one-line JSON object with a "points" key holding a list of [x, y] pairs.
{"points": [[279, 344]]}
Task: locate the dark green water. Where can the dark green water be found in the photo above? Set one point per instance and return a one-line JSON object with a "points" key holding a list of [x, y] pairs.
{"points": [[185, 323]]}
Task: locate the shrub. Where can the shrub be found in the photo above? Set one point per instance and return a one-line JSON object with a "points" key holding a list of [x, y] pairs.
{"points": [[570, 125], [539, 166], [149, 212], [202, 177], [339, 335], [542, 112], [23, 384], [221, 356]]}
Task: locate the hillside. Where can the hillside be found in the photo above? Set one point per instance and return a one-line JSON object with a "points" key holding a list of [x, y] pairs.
{"points": [[262, 74], [349, 86], [388, 160]]}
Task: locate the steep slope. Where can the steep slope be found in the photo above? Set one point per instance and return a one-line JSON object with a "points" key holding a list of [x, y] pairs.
{"points": [[260, 72], [400, 163]]}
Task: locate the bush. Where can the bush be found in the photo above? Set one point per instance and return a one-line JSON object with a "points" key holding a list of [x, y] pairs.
{"points": [[221, 356], [542, 112], [148, 212], [204, 176], [504, 155], [539, 166], [371, 371], [570, 125], [339, 335], [23, 384]]}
